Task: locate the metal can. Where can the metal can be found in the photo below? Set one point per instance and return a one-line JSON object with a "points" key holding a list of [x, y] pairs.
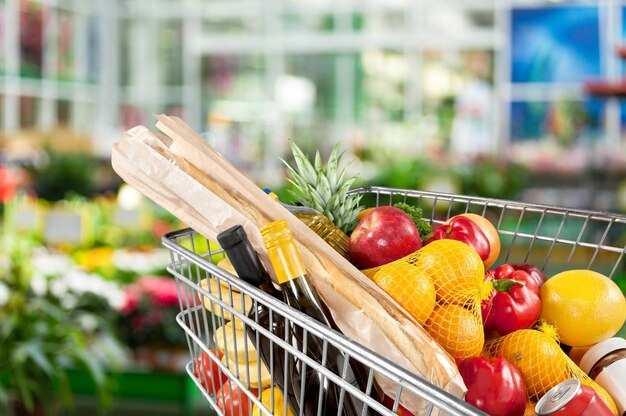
{"points": [[571, 398]]}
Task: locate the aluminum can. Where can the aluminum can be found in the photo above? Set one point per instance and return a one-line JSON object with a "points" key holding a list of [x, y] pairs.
{"points": [[571, 398]]}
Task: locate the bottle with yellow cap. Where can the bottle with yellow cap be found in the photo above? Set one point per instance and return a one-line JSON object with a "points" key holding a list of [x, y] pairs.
{"points": [[300, 294], [321, 225]]}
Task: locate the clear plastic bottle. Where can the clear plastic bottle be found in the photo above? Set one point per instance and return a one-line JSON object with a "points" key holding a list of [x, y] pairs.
{"points": [[321, 225]]}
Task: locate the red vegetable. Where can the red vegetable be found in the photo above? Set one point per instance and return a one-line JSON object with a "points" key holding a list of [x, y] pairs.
{"points": [[496, 387], [514, 302], [533, 271], [466, 231], [208, 372], [232, 401]]}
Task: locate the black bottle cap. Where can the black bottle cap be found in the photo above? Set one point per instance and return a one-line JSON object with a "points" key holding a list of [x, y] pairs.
{"points": [[242, 256], [232, 236]]}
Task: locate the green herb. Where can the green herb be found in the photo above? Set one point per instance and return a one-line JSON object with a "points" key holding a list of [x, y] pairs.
{"points": [[415, 213]]}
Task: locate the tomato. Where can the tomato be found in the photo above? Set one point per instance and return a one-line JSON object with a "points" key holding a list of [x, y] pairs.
{"points": [[388, 403], [233, 401], [208, 372]]}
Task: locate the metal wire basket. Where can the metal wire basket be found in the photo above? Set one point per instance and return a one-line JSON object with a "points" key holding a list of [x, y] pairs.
{"points": [[554, 239]]}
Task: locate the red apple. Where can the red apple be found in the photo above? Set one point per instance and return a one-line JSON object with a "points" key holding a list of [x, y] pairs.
{"points": [[384, 235]]}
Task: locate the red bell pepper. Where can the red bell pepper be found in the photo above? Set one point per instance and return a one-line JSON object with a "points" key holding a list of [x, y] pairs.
{"points": [[495, 387], [514, 302], [466, 231], [533, 271]]}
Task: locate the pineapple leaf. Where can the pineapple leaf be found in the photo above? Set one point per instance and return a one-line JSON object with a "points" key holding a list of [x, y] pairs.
{"points": [[298, 197], [333, 166], [302, 162], [318, 162], [324, 187]]}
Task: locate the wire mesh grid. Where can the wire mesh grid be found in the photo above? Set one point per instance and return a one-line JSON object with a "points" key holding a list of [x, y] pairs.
{"points": [[554, 239]]}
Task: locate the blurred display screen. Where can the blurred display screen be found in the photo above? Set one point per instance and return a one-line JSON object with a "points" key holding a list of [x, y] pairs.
{"points": [[564, 120], [555, 45]]}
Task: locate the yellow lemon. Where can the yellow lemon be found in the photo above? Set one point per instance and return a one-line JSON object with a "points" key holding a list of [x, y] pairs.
{"points": [[278, 409], [586, 307]]}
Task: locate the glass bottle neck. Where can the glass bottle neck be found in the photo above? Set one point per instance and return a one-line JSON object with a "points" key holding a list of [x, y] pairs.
{"points": [[287, 262]]}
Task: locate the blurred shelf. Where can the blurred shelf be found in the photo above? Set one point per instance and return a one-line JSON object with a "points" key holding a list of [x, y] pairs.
{"points": [[48, 88]]}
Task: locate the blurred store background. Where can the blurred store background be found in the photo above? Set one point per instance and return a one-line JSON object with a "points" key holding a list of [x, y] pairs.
{"points": [[513, 99]]}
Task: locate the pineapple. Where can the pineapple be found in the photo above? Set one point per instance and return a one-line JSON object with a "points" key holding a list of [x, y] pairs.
{"points": [[324, 188]]}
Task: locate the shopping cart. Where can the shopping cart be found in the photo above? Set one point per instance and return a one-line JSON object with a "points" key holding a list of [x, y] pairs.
{"points": [[554, 239]]}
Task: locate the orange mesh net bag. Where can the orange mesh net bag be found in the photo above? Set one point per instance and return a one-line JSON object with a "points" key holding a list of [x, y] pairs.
{"points": [[441, 286], [537, 355]]}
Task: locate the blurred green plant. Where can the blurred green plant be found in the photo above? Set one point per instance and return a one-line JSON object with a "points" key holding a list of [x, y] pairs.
{"points": [[490, 178], [63, 175], [39, 338]]}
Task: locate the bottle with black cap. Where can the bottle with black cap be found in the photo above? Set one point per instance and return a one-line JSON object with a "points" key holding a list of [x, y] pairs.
{"points": [[249, 268]]}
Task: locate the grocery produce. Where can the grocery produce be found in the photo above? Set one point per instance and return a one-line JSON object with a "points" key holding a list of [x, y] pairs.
{"points": [[233, 401], [274, 401], [324, 188], [411, 287], [538, 357], [495, 386], [530, 408], [208, 372], [514, 302], [534, 271], [473, 230], [423, 226], [576, 354], [457, 273], [455, 268], [586, 307], [384, 235], [457, 330]]}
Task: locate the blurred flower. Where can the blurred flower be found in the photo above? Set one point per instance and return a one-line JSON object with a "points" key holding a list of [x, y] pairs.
{"points": [[4, 294], [39, 284], [162, 289], [141, 261], [69, 301], [99, 257], [88, 322], [47, 263]]}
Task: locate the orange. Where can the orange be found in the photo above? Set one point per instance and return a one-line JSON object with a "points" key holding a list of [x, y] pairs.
{"points": [[537, 356], [457, 330], [456, 269], [410, 287], [530, 408], [364, 213], [490, 232], [576, 354], [586, 307]]}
